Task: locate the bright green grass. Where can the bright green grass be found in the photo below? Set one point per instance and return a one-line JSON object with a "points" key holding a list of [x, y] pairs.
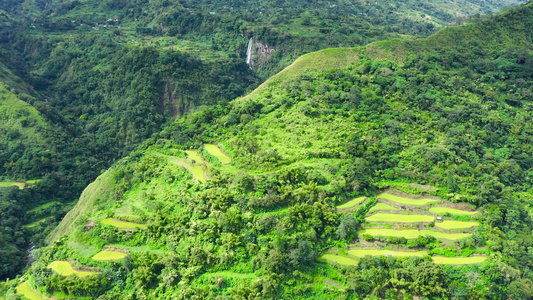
{"points": [[81, 249], [109, 255], [198, 173], [99, 190], [122, 224], [195, 156], [449, 224], [33, 181], [64, 268], [352, 203], [453, 211], [320, 60], [379, 252], [443, 260], [144, 248], [216, 152], [406, 201], [25, 290], [20, 185], [444, 235], [382, 206], [413, 233], [395, 218], [341, 260]]}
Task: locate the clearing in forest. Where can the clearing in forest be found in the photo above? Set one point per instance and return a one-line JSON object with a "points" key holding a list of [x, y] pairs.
{"points": [[397, 218], [122, 224], [351, 203], [64, 268], [341, 260], [219, 154], [106, 255], [406, 201], [413, 233], [381, 206], [443, 260], [20, 185], [450, 224], [25, 290], [453, 211], [378, 252], [38, 222]]}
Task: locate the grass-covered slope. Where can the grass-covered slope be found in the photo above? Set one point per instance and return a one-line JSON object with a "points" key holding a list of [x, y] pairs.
{"points": [[99, 190], [454, 122]]}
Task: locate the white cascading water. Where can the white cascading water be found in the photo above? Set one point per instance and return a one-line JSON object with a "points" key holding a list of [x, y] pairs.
{"points": [[249, 53]]}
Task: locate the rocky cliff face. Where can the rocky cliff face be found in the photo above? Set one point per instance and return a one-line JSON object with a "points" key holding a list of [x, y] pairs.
{"points": [[261, 53]]}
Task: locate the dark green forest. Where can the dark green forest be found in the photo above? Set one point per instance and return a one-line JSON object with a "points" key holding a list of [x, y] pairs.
{"points": [[255, 220]]}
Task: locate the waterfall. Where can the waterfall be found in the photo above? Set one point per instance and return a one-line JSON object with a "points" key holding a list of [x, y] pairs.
{"points": [[249, 53]]}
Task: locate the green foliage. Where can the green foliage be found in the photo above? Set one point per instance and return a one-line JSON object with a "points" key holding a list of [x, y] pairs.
{"points": [[399, 111]]}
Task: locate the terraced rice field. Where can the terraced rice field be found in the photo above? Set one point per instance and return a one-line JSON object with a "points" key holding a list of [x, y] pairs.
{"points": [[382, 206], [396, 218], [195, 156], [107, 255], [379, 252], [216, 152], [406, 201], [341, 260], [351, 203], [443, 260], [453, 211], [444, 235], [450, 224], [198, 173], [64, 268], [25, 290], [122, 224], [413, 233], [20, 185]]}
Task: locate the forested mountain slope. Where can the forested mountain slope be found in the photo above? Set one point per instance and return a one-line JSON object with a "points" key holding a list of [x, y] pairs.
{"points": [[240, 199], [282, 30], [103, 76]]}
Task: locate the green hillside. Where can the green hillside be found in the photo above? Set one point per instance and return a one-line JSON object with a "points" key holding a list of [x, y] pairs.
{"points": [[21, 125], [425, 131], [86, 82], [282, 30]]}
